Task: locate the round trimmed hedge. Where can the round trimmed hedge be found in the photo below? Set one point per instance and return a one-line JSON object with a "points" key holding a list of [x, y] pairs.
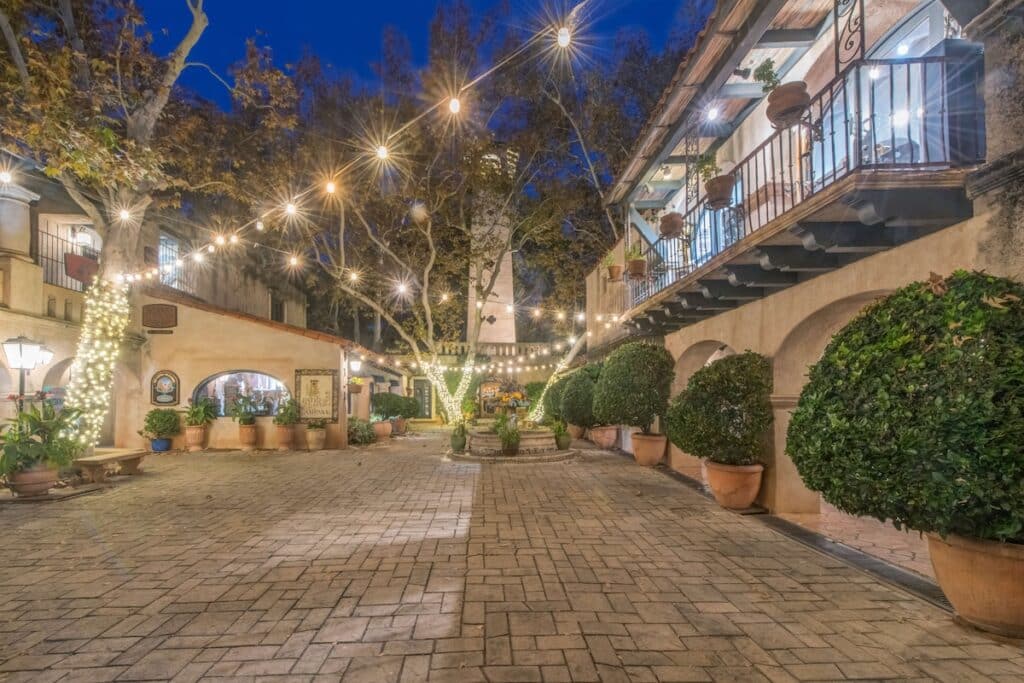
{"points": [[915, 413], [725, 411], [578, 400], [634, 386], [553, 399]]}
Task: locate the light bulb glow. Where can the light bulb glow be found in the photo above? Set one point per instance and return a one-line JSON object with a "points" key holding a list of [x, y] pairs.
{"points": [[580, 317], [454, 105], [6, 177], [293, 260], [331, 187], [219, 240], [290, 209], [402, 288], [353, 276], [124, 215], [382, 152], [712, 114], [564, 37], [197, 257], [259, 226], [233, 239]]}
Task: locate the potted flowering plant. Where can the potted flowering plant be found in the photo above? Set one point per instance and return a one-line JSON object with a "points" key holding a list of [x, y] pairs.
{"points": [[36, 443], [355, 385], [717, 185], [636, 264]]}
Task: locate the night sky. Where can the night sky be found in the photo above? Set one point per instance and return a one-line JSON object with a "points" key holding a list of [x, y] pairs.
{"points": [[347, 34]]}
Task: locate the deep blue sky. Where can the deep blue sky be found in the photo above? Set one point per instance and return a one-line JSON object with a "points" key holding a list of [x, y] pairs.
{"points": [[347, 33]]}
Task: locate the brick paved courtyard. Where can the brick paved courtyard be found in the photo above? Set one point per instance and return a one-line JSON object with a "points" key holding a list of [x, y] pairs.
{"points": [[391, 564]]}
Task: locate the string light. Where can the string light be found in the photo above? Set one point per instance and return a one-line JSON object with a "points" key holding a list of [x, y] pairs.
{"points": [[353, 276], [197, 257], [580, 317], [293, 261], [219, 240], [564, 37], [382, 152], [290, 209], [259, 226], [125, 215], [454, 106], [331, 187], [6, 178]]}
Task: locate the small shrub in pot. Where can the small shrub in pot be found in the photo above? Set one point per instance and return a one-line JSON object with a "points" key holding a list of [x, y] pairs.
{"points": [[286, 418], [578, 400], [553, 399], [159, 426], [316, 434], [198, 416]]}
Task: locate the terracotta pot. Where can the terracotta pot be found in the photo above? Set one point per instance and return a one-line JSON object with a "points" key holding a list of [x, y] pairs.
{"points": [[194, 438], [399, 426], [734, 486], [982, 580], [33, 482], [247, 437], [382, 430], [315, 439], [575, 431], [787, 104], [604, 437], [672, 225], [615, 273], [637, 268], [649, 449], [355, 388], [285, 437], [719, 191]]}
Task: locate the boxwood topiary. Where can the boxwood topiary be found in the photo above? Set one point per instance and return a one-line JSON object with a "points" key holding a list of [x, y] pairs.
{"points": [[553, 399], [915, 413], [725, 411], [387, 405], [578, 400], [634, 386]]}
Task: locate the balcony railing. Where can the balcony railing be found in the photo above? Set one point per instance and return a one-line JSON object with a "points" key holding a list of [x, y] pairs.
{"points": [[923, 113], [54, 251]]}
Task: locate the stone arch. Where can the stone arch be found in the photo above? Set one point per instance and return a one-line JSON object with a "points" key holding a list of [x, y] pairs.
{"points": [[695, 357], [58, 374]]}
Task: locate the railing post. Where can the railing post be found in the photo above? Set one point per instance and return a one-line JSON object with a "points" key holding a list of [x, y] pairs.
{"points": [[848, 32]]}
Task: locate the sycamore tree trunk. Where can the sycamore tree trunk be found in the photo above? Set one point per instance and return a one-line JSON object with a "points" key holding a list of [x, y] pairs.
{"points": [[537, 411]]}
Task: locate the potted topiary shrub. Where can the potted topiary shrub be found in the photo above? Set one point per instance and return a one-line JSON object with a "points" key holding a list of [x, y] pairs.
{"points": [[717, 185], [633, 390], [243, 412], [198, 417], [613, 266], [360, 432], [35, 446], [159, 426], [316, 434], [787, 102], [578, 403], [553, 399], [636, 263], [381, 426], [458, 439], [286, 419], [408, 408], [915, 415], [563, 439], [722, 417]]}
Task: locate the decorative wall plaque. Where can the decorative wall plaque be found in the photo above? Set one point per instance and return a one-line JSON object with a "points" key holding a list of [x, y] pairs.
{"points": [[163, 389], [316, 392], [160, 316]]}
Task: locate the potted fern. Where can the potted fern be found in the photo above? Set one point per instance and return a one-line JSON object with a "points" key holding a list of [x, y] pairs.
{"points": [[36, 444], [717, 185], [636, 264], [286, 419], [159, 426], [198, 416], [786, 102], [316, 434], [244, 413], [613, 266]]}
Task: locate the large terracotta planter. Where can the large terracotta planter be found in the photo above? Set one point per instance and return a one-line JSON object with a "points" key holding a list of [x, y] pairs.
{"points": [[649, 449], [382, 430], [734, 486], [719, 191], [637, 268], [247, 437], [399, 426], [315, 439], [604, 437], [672, 225], [285, 437], [615, 273], [984, 581], [575, 431], [195, 437], [787, 104], [33, 482]]}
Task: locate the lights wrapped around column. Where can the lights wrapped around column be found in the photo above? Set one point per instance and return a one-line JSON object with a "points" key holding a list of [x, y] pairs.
{"points": [[92, 374]]}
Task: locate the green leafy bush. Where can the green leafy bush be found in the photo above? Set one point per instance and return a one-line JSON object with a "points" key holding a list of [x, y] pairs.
{"points": [[578, 400], [634, 386], [360, 432], [243, 411], [316, 424], [915, 412], [387, 405], [409, 407], [534, 390], [725, 411], [161, 423], [200, 413], [553, 399], [287, 413], [508, 433], [39, 436]]}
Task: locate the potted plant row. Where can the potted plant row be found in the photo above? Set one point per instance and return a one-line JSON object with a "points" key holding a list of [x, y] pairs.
{"points": [[286, 418], [787, 102], [159, 427], [198, 416], [722, 417], [36, 444]]}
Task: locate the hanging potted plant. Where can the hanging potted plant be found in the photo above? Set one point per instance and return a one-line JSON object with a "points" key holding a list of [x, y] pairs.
{"points": [[787, 102], [636, 264], [913, 416], [355, 385], [717, 185], [159, 426], [316, 434], [633, 390], [35, 446], [198, 416], [613, 266], [672, 225], [722, 417], [243, 412], [286, 419], [458, 438]]}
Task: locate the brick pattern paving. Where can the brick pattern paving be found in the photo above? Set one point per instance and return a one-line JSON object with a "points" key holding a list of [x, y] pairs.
{"points": [[392, 565]]}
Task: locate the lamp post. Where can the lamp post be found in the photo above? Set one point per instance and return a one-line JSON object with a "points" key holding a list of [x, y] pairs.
{"points": [[23, 355]]}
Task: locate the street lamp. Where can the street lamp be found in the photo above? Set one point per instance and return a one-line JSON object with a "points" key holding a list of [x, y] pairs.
{"points": [[23, 355]]}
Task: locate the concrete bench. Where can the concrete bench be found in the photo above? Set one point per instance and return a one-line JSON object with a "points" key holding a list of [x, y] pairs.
{"points": [[95, 466]]}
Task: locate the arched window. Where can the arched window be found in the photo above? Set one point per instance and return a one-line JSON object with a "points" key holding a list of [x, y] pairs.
{"points": [[265, 391]]}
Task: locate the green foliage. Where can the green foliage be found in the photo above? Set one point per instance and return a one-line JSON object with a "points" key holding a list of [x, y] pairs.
{"points": [[161, 423], [360, 432], [287, 413], [200, 413], [38, 436], [707, 166], [578, 400], [243, 411], [609, 259], [534, 391], [915, 412], [766, 75], [507, 431], [634, 386], [388, 405], [634, 252], [409, 408], [559, 428], [316, 424], [725, 411], [553, 399]]}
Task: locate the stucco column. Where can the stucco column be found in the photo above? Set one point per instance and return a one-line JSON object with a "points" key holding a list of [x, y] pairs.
{"points": [[15, 219], [21, 280], [782, 489]]}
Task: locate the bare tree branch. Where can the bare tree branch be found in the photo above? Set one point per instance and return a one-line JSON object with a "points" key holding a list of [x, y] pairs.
{"points": [[14, 49]]}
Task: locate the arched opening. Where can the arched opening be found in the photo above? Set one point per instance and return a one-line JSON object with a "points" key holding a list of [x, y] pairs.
{"points": [[696, 357], [224, 388]]}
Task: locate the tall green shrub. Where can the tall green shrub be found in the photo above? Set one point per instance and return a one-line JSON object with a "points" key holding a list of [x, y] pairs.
{"points": [[915, 413], [387, 405], [634, 386], [725, 411], [553, 399], [578, 400]]}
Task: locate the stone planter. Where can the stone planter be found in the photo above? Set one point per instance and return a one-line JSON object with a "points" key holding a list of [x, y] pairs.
{"points": [[787, 104], [734, 486], [247, 437], [399, 426], [637, 268], [719, 191], [576, 432], [195, 436], [285, 437], [382, 430], [315, 439], [615, 273], [982, 580], [33, 482], [648, 449], [604, 437]]}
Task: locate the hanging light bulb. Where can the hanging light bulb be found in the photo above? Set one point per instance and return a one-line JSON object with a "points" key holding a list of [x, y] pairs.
{"points": [[6, 178], [290, 209], [382, 152], [454, 106], [331, 187], [124, 215], [197, 257], [219, 240], [564, 37], [259, 226]]}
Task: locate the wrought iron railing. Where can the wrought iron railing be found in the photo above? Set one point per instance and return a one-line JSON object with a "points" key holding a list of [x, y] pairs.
{"points": [[909, 114], [52, 252]]}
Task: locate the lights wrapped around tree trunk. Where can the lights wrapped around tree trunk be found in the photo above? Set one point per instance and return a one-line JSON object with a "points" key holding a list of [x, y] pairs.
{"points": [[92, 375]]}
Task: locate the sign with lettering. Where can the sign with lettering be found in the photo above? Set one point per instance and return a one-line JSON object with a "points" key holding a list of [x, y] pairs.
{"points": [[163, 389], [316, 392], [160, 316]]}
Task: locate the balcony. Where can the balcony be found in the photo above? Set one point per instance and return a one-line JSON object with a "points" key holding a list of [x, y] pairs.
{"points": [[877, 160]]}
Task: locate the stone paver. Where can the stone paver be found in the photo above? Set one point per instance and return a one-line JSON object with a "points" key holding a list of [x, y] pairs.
{"points": [[393, 565]]}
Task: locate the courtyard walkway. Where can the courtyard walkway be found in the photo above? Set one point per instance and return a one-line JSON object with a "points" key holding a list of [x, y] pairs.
{"points": [[391, 564]]}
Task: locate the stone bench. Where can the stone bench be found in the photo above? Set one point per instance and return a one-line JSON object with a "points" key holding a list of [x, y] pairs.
{"points": [[95, 466]]}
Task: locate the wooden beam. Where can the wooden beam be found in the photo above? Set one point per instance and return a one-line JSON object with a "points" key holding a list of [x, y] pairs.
{"points": [[797, 259], [642, 225], [741, 91], [756, 276], [699, 302], [720, 289], [844, 238], [788, 37]]}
